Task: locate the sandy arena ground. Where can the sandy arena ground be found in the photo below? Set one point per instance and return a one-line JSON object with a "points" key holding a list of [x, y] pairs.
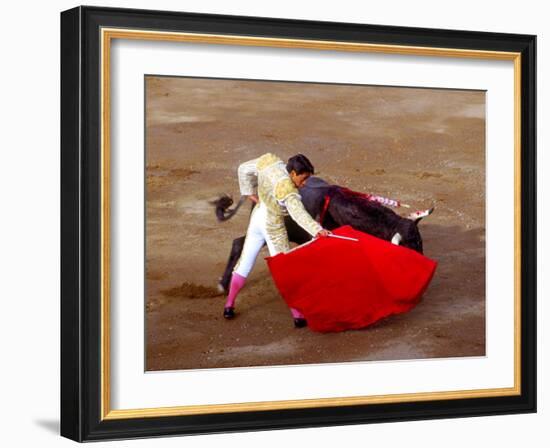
{"points": [[424, 147]]}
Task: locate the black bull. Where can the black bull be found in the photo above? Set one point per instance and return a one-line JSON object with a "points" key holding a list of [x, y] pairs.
{"points": [[343, 209]]}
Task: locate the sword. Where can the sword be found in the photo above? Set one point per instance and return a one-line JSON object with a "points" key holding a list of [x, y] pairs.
{"points": [[332, 235]]}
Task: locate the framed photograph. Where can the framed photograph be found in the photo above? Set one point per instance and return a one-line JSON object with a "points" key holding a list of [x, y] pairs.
{"points": [[272, 223]]}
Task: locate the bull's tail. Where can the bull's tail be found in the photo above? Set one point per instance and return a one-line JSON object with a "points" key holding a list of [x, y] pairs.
{"points": [[223, 212]]}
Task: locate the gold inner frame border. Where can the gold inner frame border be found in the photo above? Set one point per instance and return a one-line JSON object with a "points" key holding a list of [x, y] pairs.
{"points": [[107, 35]]}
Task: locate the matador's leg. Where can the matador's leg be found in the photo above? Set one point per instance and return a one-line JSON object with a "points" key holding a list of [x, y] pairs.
{"points": [[253, 243]]}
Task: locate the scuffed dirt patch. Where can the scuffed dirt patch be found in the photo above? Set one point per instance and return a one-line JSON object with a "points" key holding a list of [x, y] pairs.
{"points": [[183, 173], [191, 291], [427, 175], [159, 176]]}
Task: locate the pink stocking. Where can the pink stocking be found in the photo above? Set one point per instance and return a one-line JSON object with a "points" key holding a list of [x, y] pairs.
{"points": [[296, 314], [237, 282]]}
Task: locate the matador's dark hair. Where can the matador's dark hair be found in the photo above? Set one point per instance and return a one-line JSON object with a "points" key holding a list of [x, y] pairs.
{"points": [[300, 164]]}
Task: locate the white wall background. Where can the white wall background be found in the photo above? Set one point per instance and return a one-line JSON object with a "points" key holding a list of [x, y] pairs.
{"points": [[29, 227]]}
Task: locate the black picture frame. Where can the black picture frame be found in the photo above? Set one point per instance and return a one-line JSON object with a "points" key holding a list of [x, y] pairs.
{"points": [[81, 208]]}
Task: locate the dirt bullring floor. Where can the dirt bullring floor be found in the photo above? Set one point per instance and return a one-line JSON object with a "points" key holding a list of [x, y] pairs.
{"points": [[424, 147]]}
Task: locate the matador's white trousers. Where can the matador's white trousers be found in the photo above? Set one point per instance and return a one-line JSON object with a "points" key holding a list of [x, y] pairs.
{"points": [[256, 237]]}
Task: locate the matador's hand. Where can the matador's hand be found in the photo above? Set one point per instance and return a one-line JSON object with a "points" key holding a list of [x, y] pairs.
{"points": [[323, 233], [253, 198]]}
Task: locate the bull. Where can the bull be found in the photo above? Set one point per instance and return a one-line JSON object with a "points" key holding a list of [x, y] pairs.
{"points": [[333, 206]]}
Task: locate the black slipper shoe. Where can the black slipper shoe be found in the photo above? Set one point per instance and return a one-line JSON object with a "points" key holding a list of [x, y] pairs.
{"points": [[300, 322], [229, 312]]}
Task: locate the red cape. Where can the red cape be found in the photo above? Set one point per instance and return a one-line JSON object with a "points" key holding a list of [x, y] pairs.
{"points": [[339, 285]]}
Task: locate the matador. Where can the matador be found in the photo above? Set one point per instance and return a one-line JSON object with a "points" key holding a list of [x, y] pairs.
{"points": [[273, 186]]}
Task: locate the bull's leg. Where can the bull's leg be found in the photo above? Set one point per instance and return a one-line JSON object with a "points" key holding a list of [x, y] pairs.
{"points": [[236, 250], [410, 235]]}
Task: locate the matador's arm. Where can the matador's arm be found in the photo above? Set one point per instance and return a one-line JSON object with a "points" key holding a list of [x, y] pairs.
{"points": [[286, 193], [248, 177]]}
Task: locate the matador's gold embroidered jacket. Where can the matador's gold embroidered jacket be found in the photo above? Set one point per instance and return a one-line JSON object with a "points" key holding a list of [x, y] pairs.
{"points": [[267, 175]]}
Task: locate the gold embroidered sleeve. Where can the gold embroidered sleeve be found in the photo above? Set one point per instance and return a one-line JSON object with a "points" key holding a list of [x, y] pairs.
{"points": [[300, 215], [283, 189], [248, 177], [267, 160]]}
